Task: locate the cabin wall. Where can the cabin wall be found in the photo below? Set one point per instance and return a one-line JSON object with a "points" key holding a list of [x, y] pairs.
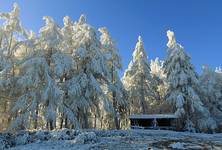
{"points": [[162, 123]]}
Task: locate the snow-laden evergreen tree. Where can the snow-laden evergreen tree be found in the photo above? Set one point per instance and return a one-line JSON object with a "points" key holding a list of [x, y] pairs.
{"points": [[50, 41], [211, 85], [218, 70], [159, 105], [39, 92], [64, 68], [11, 35], [85, 87], [117, 92], [137, 80], [183, 88]]}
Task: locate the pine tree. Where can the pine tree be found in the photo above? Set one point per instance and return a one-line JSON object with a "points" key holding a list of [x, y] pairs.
{"points": [[10, 31], [218, 70], [159, 105], [39, 92], [64, 69], [117, 92], [211, 93], [50, 41], [86, 86], [183, 85], [137, 80]]}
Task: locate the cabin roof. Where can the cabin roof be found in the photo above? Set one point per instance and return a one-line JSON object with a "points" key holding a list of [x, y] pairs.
{"points": [[152, 116]]}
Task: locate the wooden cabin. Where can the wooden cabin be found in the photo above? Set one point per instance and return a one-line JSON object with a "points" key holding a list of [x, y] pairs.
{"points": [[153, 121]]}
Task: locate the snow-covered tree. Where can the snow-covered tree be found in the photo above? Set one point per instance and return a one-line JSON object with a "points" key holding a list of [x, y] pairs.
{"points": [[159, 105], [39, 89], [117, 92], [65, 69], [85, 87], [211, 85], [11, 35], [183, 88], [137, 80], [51, 39], [218, 70]]}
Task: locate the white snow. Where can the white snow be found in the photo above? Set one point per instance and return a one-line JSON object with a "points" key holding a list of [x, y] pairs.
{"points": [[177, 145], [129, 139], [85, 137]]}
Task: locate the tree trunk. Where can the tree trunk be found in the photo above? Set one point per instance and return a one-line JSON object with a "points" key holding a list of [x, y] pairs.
{"points": [[101, 123], [142, 98], [66, 122], [95, 121], [36, 116], [61, 121], [51, 125], [47, 125], [85, 119], [116, 120]]}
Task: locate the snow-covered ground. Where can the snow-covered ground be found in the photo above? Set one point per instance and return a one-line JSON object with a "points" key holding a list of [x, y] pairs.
{"points": [[124, 139]]}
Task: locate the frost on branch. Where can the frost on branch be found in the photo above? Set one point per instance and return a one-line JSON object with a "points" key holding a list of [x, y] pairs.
{"points": [[82, 20], [171, 39], [67, 21], [50, 32]]}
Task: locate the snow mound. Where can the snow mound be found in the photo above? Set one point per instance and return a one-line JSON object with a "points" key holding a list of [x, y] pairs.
{"points": [[6, 140], [86, 137], [23, 138], [64, 134], [42, 136], [177, 145], [111, 133], [3, 143]]}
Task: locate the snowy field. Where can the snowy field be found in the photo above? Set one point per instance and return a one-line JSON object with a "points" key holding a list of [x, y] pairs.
{"points": [[93, 139]]}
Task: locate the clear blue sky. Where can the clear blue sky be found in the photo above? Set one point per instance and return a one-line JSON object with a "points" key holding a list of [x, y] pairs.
{"points": [[196, 23]]}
